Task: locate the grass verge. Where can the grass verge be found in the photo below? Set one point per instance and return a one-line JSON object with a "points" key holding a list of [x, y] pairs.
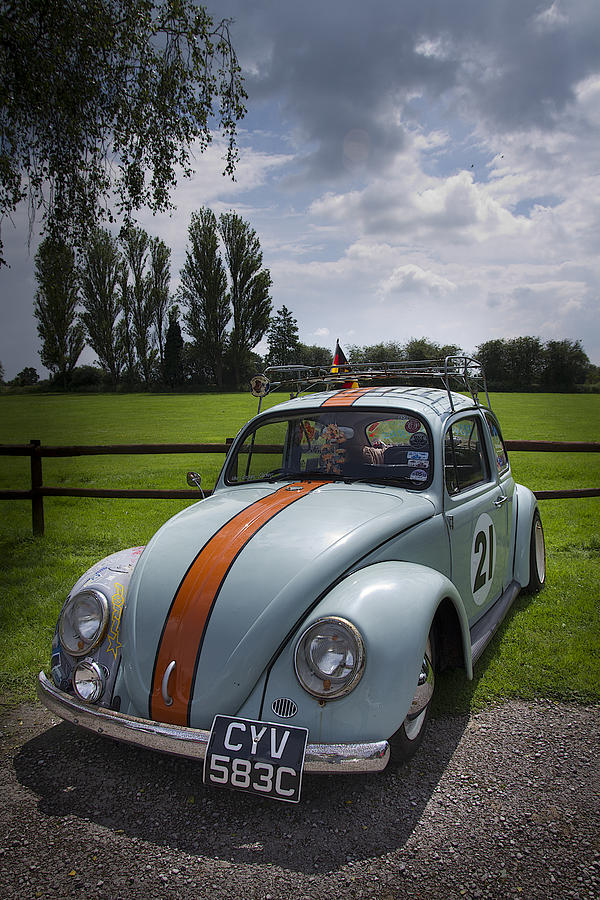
{"points": [[549, 645]]}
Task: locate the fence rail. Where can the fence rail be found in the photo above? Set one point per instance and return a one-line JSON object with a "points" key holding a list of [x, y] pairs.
{"points": [[38, 490]]}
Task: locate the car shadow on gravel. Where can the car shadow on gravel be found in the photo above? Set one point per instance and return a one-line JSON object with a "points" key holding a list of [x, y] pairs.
{"points": [[161, 800]]}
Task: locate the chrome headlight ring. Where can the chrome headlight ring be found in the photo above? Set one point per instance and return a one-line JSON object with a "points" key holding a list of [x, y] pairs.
{"points": [[329, 658], [89, 680], [83, 622]]}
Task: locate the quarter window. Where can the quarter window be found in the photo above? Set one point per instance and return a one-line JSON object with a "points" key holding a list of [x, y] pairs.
{"points": [[499, 448], [465, 461]]}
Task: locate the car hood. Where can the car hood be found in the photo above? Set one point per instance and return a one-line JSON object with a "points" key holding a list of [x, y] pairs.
{"points": [[222, 585]]}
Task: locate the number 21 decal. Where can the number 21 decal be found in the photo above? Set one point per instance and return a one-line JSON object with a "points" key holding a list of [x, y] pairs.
{"points": [[483, 558]]}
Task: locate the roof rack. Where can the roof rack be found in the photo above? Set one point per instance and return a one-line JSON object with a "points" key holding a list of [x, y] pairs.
{"points": [[464, 372]]}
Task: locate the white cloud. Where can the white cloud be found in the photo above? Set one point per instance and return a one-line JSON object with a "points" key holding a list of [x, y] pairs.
{"points": [[413, 279]]}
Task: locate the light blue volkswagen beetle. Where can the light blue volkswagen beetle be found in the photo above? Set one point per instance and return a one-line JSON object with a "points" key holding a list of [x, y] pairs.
{"points": [[358, 540]]}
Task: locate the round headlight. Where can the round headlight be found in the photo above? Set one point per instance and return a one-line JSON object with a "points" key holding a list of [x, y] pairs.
{"points": [[83, 622], [88, 681], [330, 658]]}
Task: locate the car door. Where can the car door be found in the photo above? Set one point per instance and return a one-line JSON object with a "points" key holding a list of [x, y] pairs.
{"points": [[506, 487], [475, 508]]}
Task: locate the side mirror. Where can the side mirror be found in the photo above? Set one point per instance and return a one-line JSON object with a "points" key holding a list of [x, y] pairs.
{"points": [[194, 480]]}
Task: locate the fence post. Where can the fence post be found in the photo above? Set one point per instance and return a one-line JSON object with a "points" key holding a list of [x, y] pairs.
{"points": [[37, 499]]}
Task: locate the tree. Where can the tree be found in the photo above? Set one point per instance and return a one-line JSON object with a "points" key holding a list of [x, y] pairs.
{"points": [[125, 325], [565, 365], [1, 373], [136, 245], [26, 377], [101, 270], [55, 307], [173, 358], [422, 348], [493, 356], [105, 98], [390, 351], [282, 338], [203, 290], [249, 286], [313, 355], [160, 276]]}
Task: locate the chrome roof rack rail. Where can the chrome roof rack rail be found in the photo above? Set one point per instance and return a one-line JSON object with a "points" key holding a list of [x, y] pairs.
{"points": [[462, 373]]}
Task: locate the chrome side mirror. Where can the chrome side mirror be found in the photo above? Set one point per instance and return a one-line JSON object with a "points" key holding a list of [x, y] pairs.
{"points": [[194, 480]]}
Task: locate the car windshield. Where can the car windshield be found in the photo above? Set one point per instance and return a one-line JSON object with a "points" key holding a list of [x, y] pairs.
{"points": [[348, 444]]}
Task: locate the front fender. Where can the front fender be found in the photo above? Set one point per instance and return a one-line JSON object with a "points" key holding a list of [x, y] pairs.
{"points": [[111, 577], [393, 605]]}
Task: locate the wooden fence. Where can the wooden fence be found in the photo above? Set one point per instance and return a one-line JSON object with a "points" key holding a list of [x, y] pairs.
{"points": [[38, 490]]}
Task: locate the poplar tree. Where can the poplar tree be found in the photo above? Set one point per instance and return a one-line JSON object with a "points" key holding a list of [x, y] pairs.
{"points": [[101, 269], [250, 284], [55, 308], [203, 290]]}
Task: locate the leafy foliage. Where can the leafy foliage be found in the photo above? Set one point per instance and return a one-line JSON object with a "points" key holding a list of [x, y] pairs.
{"points": [[173, 356], [102, 265], [313, 355], [55, 307], [203, 290], [525, 363], [392, 351], [109, 95], [249, 289], [283, 338], [26, 377]]}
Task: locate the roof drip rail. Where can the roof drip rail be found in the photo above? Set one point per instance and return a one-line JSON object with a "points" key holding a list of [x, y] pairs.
{"points": [[463, 372]]}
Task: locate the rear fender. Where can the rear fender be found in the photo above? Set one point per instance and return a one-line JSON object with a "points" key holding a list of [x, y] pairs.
{"points": [[393, 605], [525, 510]]}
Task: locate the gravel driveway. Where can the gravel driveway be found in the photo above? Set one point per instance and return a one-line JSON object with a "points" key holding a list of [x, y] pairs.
{"points": [[501, 804]]}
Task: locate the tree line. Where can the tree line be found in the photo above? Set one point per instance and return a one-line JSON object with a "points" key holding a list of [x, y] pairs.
{"points": [[127, 316], [115, 297], [510, 364]]}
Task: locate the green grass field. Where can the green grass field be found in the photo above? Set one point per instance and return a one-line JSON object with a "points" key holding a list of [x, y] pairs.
{"points": [[549, 646]]}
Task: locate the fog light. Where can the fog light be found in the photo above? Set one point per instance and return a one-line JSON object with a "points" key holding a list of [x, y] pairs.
{"points": [[89, 681]]}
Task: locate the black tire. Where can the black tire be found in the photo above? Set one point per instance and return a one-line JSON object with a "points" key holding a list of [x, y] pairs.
{"points": [[405, 742], [537, 556]]}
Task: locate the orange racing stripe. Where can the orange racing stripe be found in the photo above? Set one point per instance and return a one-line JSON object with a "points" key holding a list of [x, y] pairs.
{"points": [[347, 397], [186, 622]]}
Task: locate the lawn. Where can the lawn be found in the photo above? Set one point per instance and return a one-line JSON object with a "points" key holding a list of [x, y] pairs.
{"points": [[549, 646]]}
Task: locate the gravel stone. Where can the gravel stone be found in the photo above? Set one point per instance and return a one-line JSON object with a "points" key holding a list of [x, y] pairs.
{"points": [[503, 803]]}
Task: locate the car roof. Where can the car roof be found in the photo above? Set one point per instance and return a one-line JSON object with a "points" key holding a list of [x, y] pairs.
{"points": [[422, 400]]}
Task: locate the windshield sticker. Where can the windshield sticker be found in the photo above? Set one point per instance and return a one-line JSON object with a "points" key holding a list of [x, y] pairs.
{"points": [[391, 432], [333, 454], [417, 454], [419, 439], [418, 475]]}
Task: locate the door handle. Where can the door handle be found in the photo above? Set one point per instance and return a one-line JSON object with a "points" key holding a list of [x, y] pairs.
{"points": [[168, 700], [500, 500]]}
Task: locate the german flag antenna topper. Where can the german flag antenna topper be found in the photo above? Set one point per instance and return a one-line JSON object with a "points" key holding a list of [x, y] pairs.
{"points": [[340, 364]]}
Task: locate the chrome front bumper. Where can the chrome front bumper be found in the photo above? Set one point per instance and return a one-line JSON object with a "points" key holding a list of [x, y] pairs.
{"points": [[333, 759]]}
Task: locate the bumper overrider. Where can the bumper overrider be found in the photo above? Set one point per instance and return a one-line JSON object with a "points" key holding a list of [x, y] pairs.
{"points": [[179, 740]]}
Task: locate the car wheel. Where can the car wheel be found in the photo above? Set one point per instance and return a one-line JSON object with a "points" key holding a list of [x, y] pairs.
{"points": [[409, 737], [537, 556]]}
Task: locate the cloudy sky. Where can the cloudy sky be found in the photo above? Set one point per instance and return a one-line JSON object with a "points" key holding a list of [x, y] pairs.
{"points": [[412, 169]]}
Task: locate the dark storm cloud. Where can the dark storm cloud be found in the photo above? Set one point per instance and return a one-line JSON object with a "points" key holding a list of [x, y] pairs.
{"points": [[339, 66], [337, 69]]}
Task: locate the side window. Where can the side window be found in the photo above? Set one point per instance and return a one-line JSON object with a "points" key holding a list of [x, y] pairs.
{"points": [[464, 455], [499, 448], [261, 453]]}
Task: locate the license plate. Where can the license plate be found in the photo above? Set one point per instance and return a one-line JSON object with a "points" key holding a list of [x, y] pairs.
{"points": [[263, 758]]}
